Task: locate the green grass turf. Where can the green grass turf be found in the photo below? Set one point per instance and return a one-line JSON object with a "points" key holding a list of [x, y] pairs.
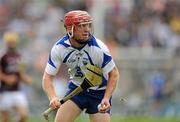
{"points": [[127, 119]]}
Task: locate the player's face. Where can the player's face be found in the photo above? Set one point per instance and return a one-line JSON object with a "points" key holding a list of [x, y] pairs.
{"points": [[82, 31], [11, 44]]}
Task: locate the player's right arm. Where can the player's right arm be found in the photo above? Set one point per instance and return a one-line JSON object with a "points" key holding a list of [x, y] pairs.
{"points": [[50, 72], [49, 90]]}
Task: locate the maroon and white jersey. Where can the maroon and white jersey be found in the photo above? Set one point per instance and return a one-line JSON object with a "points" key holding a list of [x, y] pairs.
{"points": [[9, 64]]}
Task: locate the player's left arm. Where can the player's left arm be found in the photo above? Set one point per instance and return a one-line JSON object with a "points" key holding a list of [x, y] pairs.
{"points": [[113, 78], [112, 81], [26, 78]]}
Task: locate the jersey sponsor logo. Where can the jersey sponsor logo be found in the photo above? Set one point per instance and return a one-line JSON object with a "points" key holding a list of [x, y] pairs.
{"points": [[85, 61], [71, 60]]}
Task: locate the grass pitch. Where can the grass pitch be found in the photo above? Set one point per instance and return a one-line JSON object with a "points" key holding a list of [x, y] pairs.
{"points": [[125, 119]]}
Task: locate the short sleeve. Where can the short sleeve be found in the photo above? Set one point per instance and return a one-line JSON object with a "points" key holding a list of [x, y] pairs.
{"points": [[54, 61], [108, 63]]}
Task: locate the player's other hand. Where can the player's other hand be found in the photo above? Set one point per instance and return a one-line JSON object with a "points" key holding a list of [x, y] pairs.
{"points": [[104, 106], [54, 103]]}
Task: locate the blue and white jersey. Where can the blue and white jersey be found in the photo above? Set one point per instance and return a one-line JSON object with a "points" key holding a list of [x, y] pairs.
{"points": [[94, 52]]}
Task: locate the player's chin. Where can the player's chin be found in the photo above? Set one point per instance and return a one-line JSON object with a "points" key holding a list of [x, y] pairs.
{"points": [[85, 38]]}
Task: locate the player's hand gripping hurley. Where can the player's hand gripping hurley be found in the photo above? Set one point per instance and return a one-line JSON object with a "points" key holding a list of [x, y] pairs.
{"points": [[93, 77]]}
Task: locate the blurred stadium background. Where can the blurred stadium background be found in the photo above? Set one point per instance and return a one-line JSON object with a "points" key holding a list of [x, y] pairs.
{"points": [[143, 37]]}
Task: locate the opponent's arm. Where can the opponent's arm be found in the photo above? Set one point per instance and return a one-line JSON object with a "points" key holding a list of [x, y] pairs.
{"points": [[23, 75], [9, 79], [26, 78]]}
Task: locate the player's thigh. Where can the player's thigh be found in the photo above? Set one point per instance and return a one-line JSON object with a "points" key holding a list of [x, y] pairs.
{"points": [[99, 117], [68, 112], [22, 111]]}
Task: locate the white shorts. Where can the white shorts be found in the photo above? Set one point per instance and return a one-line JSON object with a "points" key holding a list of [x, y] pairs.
{"points": [[8, 100]]}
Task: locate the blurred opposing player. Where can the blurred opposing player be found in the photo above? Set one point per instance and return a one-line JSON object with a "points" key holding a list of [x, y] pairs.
{"points": [[76, 49], [11, 73]]}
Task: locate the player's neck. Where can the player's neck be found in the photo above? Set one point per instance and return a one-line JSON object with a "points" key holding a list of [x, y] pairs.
{"points": [[74, 43], [11, 49]]}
